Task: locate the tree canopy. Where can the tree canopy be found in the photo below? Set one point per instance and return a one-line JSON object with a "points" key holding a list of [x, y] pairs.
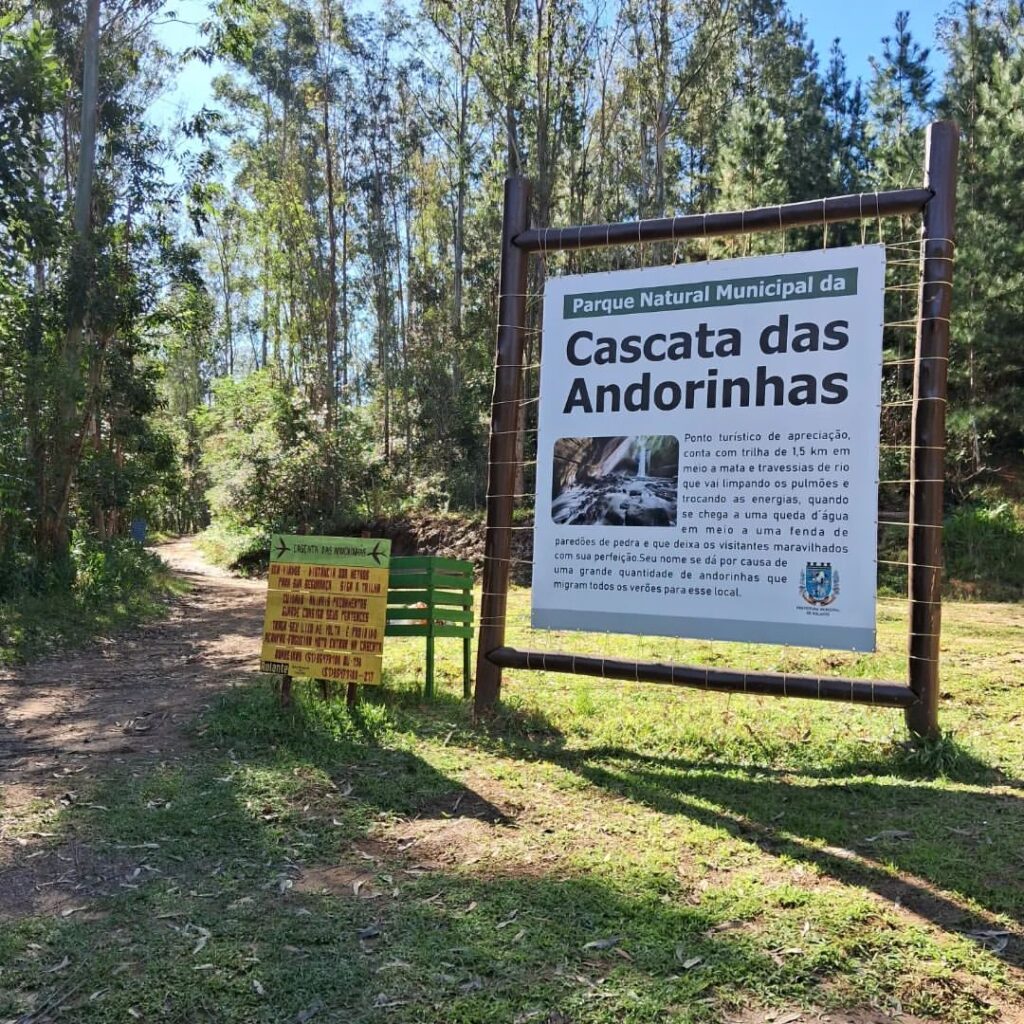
{"points": [[282, 311]]}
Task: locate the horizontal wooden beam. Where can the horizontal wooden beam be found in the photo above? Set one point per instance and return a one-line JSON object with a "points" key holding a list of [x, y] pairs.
{"points": [[859, 206], [852, 691]]}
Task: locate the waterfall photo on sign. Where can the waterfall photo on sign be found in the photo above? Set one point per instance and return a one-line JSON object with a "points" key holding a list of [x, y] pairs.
{"points": [[615, 481]]}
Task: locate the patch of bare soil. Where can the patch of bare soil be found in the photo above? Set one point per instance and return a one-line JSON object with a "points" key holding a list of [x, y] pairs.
{"points": [[464, 826], [856, 1016], [61, 879], [339, 880], [534, 832], [65, 719]]}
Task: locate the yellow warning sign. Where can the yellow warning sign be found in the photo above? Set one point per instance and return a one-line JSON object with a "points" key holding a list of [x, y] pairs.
{"points": [[326, 608], [328, 579]]}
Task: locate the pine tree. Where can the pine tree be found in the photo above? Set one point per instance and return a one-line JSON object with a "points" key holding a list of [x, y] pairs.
{"points": [[846, 118], [900, 99], [984, 91]]}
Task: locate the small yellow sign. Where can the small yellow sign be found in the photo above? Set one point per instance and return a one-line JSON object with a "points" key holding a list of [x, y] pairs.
{"points": [[326, 608], [328, 579]]}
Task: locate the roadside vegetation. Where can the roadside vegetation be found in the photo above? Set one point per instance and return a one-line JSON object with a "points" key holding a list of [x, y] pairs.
{"points": [[277, 313], [111, 586]]}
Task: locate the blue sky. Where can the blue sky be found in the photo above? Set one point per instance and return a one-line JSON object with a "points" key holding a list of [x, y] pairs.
{"points": [[859, 26]]}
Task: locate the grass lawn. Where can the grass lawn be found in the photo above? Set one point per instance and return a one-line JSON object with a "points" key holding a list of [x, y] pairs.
{"points": [[603, 852]]}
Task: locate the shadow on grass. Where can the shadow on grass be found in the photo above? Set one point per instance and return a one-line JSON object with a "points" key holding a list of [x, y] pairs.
{"points": [[352, 747], [952, 856], [942, 848], [191, 909]]}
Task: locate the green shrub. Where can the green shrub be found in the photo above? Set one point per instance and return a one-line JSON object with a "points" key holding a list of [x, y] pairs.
{"points": [[984, 546], [234, 547], [276, 466], [102, 587], [110, 572]]}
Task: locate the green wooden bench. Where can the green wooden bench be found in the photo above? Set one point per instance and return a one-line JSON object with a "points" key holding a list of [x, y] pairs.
{"points": [[432, 597]]}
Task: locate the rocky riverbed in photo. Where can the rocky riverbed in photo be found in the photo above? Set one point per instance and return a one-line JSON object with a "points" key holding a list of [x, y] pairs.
{"points": [[615, 481]]}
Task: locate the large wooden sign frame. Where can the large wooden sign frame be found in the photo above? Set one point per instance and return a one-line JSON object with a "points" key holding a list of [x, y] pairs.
{"points": [[936, 201]]}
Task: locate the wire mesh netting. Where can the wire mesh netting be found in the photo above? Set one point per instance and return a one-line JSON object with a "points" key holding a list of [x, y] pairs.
{"points": [[900, 237]]}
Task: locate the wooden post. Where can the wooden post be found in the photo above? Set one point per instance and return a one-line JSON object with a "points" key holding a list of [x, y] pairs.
{"points": [[286, 691], [352, 695], [428, 690], [929, 426], [508, 380]]}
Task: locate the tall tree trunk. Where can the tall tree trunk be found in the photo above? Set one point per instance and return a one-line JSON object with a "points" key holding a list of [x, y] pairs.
{"points": [[225, 274], [403, 322], [69, 434], [35, 440], [332, 231], [344, 298], [90, 103], [459, 234], [99, 513]]}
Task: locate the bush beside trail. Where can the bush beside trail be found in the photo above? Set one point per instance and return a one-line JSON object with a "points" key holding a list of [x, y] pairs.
{"points": [[102, 588]]}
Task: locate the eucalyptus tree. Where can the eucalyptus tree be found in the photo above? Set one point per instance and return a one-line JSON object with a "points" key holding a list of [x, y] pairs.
{"points": [[88, 236], [32, 84]]}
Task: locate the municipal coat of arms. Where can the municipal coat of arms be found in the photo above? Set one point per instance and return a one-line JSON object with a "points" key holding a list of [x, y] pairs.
{"points": [[820, 584]]}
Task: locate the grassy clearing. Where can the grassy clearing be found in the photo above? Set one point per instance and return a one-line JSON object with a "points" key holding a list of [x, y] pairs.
{"points": [[603, 853], [35, 625]]}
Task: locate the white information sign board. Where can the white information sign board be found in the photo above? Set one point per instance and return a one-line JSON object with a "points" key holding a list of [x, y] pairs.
{"points": [[707, 460]]}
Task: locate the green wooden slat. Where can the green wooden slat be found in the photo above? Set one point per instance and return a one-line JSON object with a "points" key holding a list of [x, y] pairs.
{"points": [[404, 562], [454, 564], [399, 629], [459, 570], [397, 580], [410, 629], [453, 600], [453, 614]]}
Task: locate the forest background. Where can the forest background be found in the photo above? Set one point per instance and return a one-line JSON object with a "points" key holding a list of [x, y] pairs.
{"points": [[278, 313]]}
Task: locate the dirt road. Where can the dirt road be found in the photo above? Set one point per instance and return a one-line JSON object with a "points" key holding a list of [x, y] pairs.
{"points": [[127, 696]]}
